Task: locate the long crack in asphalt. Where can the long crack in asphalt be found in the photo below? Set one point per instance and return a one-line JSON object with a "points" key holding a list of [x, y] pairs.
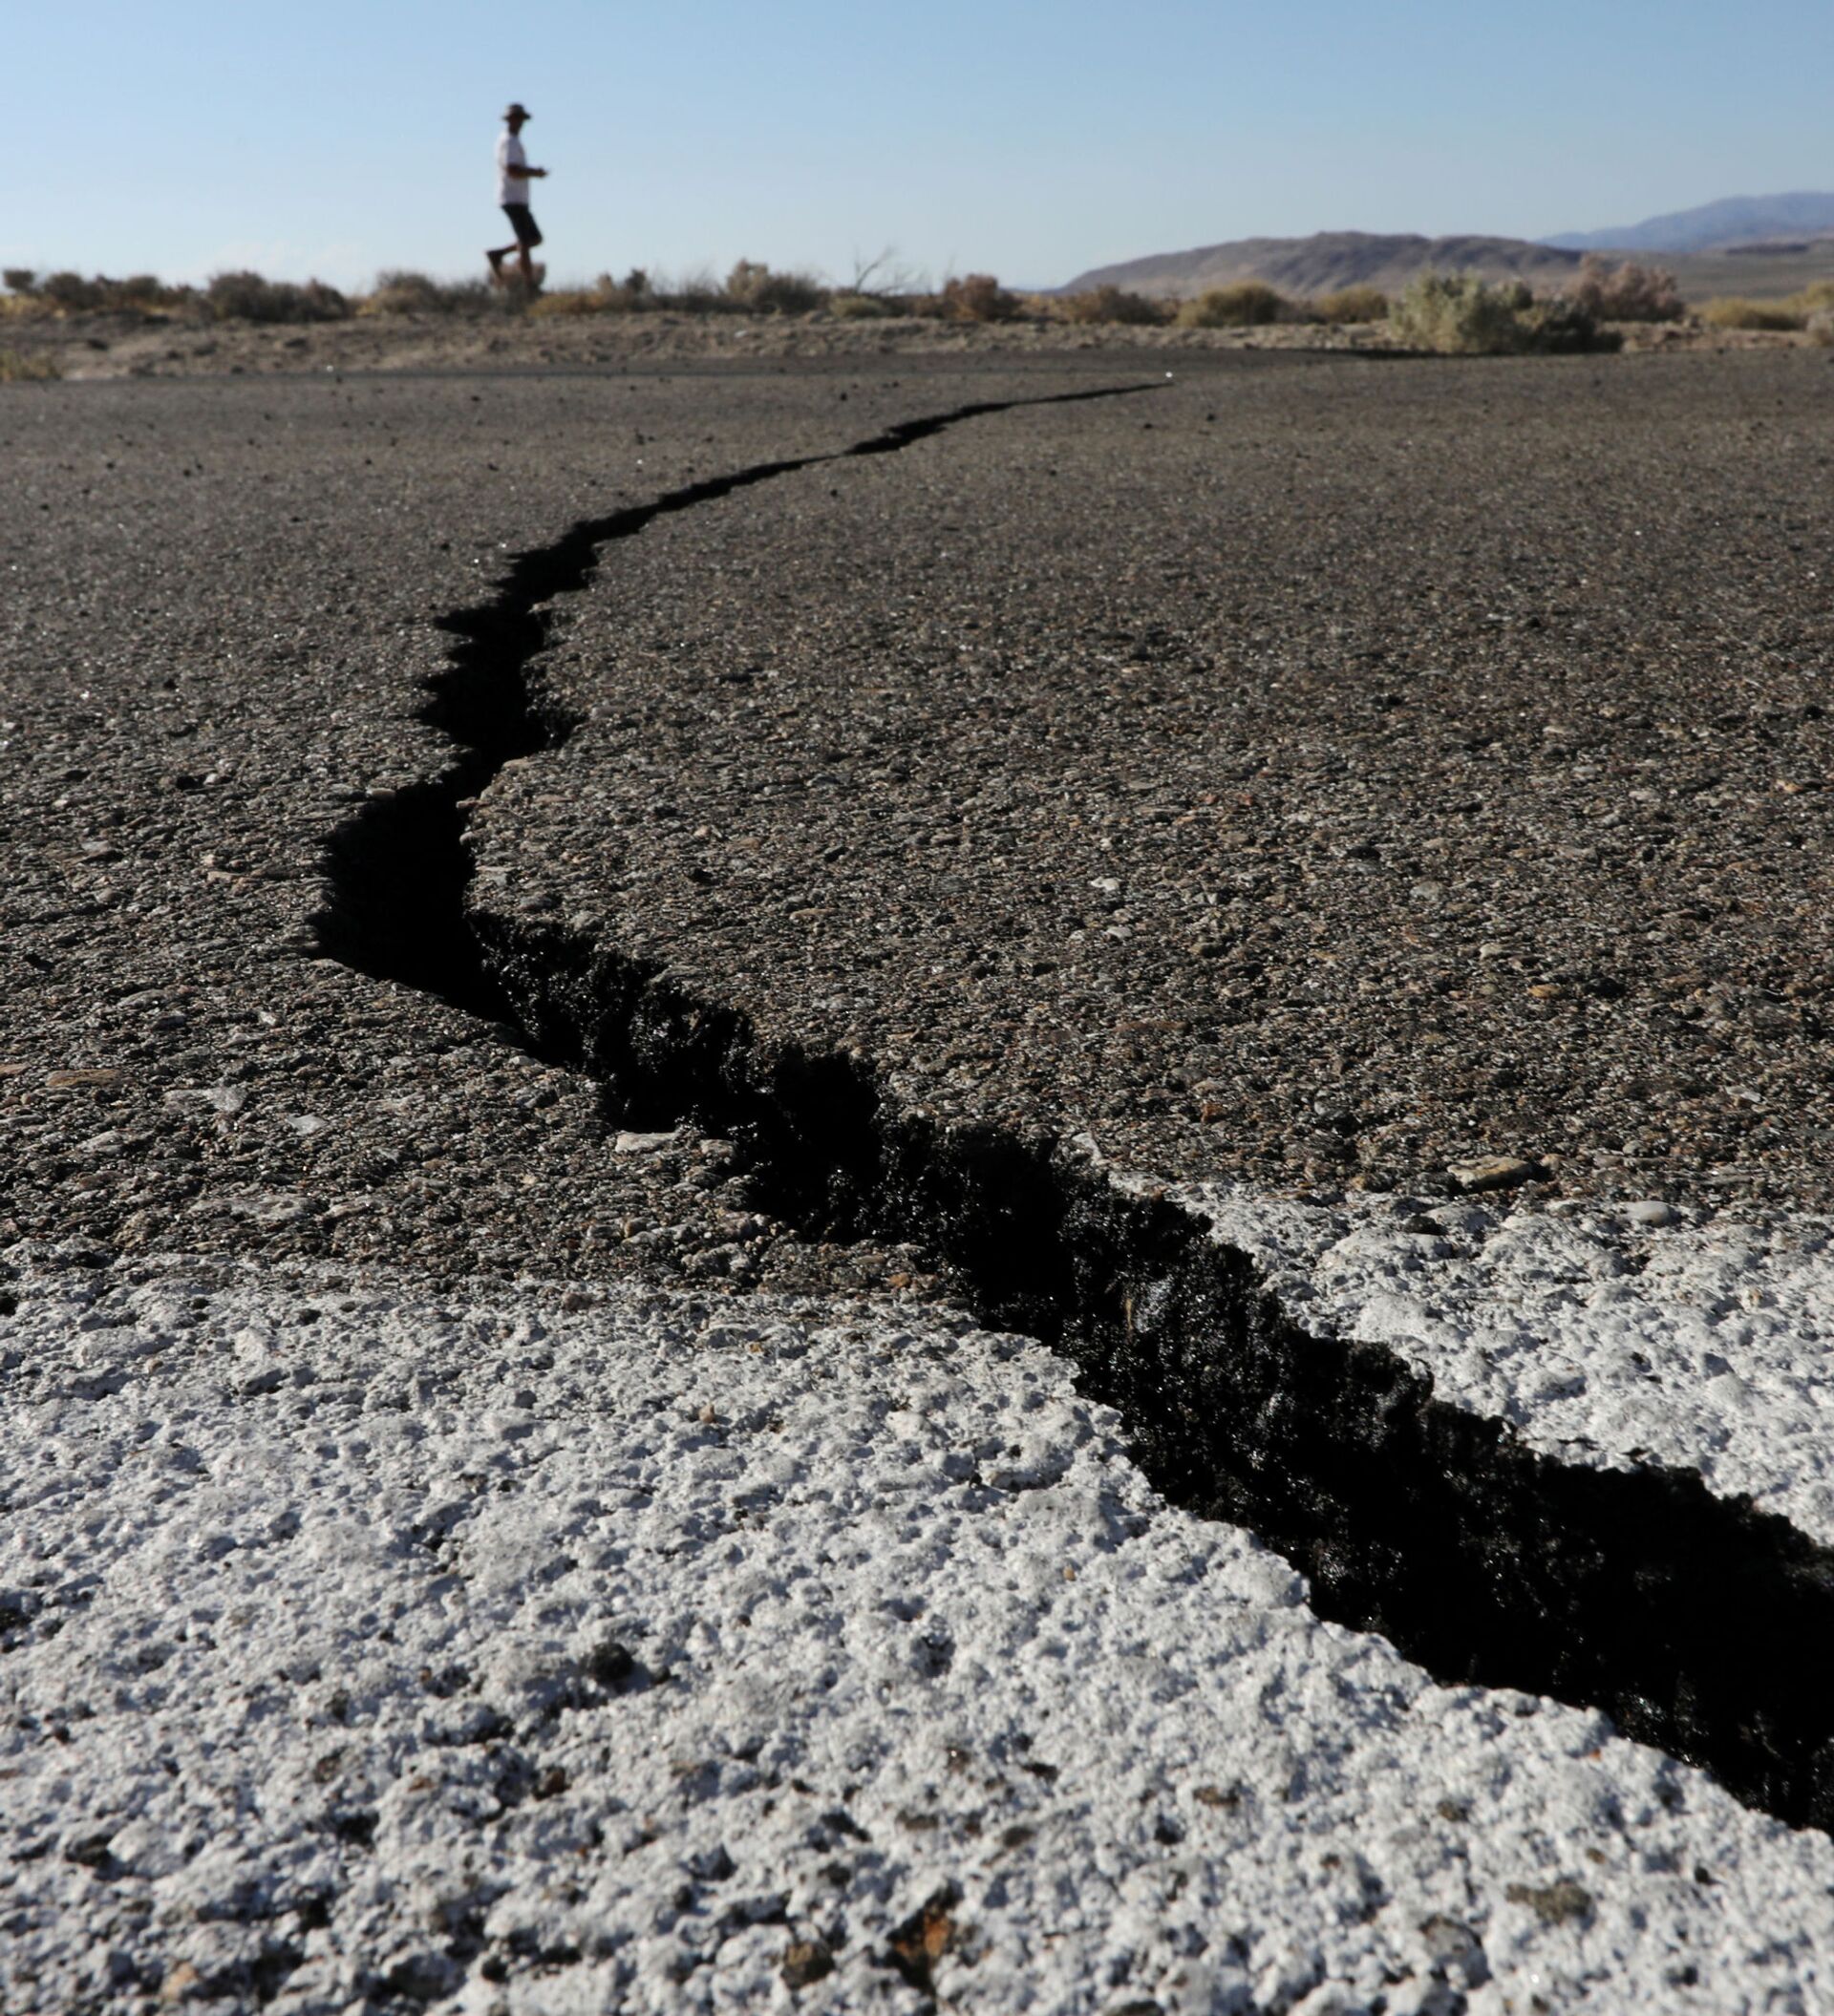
{"points": [[1699, 1625]]}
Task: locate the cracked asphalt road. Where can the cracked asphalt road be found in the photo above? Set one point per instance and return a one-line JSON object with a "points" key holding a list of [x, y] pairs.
{"points": [[223, 608], [1331, 771], [1316, 778], [1317, 773]]}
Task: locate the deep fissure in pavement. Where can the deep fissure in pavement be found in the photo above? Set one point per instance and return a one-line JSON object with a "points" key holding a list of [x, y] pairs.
{"points": [[1697, 1623], [399, 868]]}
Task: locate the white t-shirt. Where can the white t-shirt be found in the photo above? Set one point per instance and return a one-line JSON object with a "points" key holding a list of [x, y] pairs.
{"points": [[511, 188]]}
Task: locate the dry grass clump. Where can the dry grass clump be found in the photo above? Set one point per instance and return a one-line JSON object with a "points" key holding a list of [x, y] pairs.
{"points": [[754, 287], [976, 297], [1114, 305], [28, 367], [1793, 311], [1731, 312], [1461, 315], [1347, 305], [1821, 327], [248, 297], [403, 291], [567, 300], [605, 296], [1245, 304], [860, 307], [1623, 293]]}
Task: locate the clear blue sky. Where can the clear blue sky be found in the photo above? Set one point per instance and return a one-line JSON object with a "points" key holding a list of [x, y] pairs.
{"points": [[1028, 140]]}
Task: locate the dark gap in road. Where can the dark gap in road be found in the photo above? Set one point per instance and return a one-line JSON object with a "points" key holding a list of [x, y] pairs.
{"points": [[1697, 1623], [397, 871]]}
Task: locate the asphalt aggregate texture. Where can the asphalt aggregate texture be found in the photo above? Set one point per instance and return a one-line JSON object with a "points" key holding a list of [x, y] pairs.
{"points": [[222, 615], [1328, 771], [1324, 775]]}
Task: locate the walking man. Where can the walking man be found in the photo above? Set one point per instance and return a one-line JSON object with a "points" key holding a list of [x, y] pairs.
{"points": [[513, 177]]}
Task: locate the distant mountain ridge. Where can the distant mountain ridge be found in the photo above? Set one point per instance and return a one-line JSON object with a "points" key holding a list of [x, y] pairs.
{"points": [[1732, 220], [1328, 260]]}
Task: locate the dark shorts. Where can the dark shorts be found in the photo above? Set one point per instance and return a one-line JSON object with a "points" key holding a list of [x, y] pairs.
{"points": [[528, 233]]}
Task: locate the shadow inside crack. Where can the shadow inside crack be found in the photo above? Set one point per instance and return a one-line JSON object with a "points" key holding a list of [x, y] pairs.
{"points": [[1699, 1625]]}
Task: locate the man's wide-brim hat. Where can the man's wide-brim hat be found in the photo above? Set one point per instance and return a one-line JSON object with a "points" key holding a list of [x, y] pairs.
{"points": [[517, 112]]}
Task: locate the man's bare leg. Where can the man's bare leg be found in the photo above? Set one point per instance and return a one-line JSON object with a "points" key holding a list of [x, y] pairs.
{"points": [[496, 255], [525, 260]]}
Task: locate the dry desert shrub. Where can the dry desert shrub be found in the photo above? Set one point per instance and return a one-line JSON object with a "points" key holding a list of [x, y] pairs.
{"points": [[977, 297], [248, 297], [623, 297], [1623, 293], [1458, 314], [753, 285], [1731, 311], [860, 307], [1821, 327], [1461, 315], [139, 292], [69, 292], [19, 280], [1356, 304], [402, 291], [567, 300], [696, 294], [1113, 304], [1554, 326], [1245, 304], [142, 291], [28, 367]]}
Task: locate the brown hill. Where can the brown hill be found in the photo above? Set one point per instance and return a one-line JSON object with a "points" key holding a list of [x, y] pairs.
{"points": [[1331, 259]]}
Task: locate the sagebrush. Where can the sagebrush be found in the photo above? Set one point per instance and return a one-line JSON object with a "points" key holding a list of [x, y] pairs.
{"points": [[978, 297], [1245, 303], [1353, 304], [1463, 315], [1623, 293], [248, 297], [402, 291], [753, 284], [1114, 305]]}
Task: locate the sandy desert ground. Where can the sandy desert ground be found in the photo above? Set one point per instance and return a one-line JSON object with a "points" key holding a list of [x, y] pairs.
{"points": [[979, 1179], [102, 346]]}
